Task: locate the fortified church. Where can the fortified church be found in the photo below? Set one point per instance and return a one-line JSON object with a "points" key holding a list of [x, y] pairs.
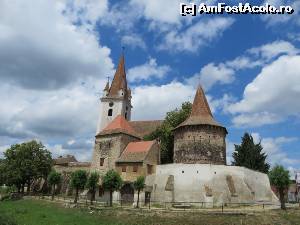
{"points": [[199, 172]]}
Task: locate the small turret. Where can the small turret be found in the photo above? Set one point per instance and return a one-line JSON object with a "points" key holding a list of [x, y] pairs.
{"points": [[106, 89]]}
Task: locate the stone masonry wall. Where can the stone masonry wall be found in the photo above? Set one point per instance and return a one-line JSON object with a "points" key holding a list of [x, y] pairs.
{"points": [[200, 144], [109, 147]]}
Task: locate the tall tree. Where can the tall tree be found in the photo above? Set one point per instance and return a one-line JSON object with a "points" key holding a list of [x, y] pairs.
{"points": [[78, 181], [2, 172], [54, 178], [164, 132], [139, 185], [92, 184], [250, 155], [280, 178], [26, 162], [112, 182]]}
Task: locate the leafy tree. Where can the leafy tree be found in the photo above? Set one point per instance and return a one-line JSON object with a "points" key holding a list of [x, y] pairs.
{"points": [[26, 162], [92, 184], [2, 172], [54, 179], [164, 132], [112, 182], [250, 155], [280, 178], [78, 181], [139, 185]]}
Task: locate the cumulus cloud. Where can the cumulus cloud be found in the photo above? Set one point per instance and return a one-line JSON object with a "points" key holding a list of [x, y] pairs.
{"points": [[273, 20], [271, 50], [147, 70], [152, 102], [212, 74], [48, 114], [224, 72], [152, 10], [274, 149], [134, 41], [40, 48], [173, 31], [55, 118], [272, 96], [51, 68], [197, 35], [85, 12]]}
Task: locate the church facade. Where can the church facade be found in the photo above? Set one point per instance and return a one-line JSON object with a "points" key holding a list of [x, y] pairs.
{"points": [[199, 172], [199, 139], [119, 141]]}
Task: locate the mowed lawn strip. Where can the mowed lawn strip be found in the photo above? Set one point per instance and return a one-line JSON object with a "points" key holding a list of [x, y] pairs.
{"points": [[41, 212]]}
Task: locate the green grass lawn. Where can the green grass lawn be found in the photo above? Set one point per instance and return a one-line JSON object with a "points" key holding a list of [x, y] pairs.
{"points": [[41, 212]]}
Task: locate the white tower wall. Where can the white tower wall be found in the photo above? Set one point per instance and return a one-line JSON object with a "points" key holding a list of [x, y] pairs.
{"points": [[119, 107]]}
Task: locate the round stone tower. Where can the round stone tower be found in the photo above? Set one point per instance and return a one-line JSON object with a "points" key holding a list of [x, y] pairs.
{"points": [[200, 139]]}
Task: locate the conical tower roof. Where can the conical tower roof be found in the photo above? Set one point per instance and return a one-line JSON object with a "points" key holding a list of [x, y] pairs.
{"points": [[201, 113], [119, 82]]}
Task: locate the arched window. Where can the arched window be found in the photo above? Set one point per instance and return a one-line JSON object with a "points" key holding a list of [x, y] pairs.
{"points": [[110, 111]]}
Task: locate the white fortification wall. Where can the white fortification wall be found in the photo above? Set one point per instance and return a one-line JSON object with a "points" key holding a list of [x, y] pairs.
{"points": [[215, 184]]}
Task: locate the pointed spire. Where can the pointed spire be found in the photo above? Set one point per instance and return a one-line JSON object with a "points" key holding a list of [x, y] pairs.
{"points": [[201, 113], [119, 82], [200, 105]]}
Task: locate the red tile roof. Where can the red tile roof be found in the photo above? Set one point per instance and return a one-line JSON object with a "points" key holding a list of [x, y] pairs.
{"points": [[118, 125], [141, 146], [136, 151]]}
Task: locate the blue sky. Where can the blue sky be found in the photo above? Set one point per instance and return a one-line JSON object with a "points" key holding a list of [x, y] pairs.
{"points": [[55, 57]]}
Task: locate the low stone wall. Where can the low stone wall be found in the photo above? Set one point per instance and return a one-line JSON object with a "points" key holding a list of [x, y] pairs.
{"points": [[212, 184]]}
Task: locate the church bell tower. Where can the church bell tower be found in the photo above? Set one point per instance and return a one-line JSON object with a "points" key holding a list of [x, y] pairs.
{"points": [[116, 99]]}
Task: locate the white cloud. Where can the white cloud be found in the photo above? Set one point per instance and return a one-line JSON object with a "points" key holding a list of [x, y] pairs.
{"points": [[82, 155], [243, 62], [255, 119], [212, 74], [148, 70], [40, 47], [47, 113], [274, 93], [274, 49], [196, 36], [86, 11], [3, 148], [274, 149], [166, 11], [133, 40], [229, 151], [224, 73], [41, 51], [273, 20], [173, 32], [152, 102]]}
